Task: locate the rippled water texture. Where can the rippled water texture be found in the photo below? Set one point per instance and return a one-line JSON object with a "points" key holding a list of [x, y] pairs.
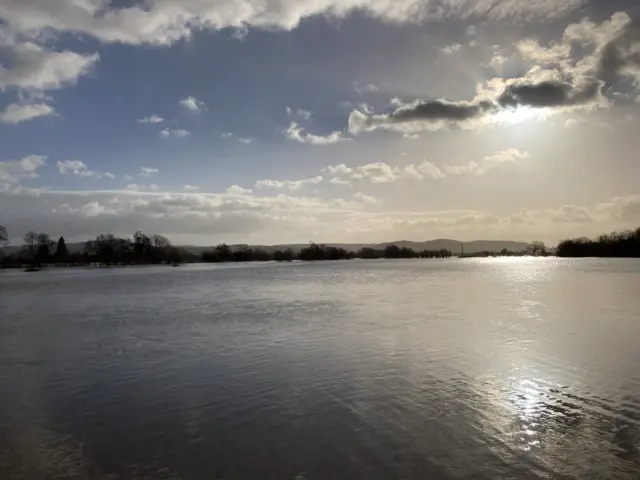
{"points": [[478, 369]]}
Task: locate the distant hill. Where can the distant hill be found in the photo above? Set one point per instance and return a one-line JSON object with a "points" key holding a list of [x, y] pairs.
{"points": [[475, 246]]}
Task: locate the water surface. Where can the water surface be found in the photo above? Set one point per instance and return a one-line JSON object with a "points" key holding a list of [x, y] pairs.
{"points": [[478, 369]]}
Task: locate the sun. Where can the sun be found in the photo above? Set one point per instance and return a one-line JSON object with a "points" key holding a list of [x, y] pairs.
{"points": [[512, 116]]}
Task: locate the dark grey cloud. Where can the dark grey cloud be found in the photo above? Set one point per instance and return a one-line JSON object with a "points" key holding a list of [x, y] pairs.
{"points": [[441, 110], [549, 94]]}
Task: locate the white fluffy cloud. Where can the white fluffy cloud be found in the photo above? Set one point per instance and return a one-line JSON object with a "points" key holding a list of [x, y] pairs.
{"points": [[78, 168], [340, 181], [13, 171], [18, 113], [341, 169], [366, 198], [378, 172], [510, 156], [295, 133], [151, 119], [177, 133], [148, 171], [381, 172], [238, 190], [33, 67], [289, 184], [244, 140], [166, 21], [192, 103]]}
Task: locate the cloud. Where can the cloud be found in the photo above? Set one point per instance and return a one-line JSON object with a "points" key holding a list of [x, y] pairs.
{"points": [[365, 89], [238, 190], [464, 169], [572, 214], [245, 140], [497, 61], [450, 49], [622, 209], [13, 171], [92, 209], [190, 188], [177, 133], [341, 169], [510, 155], [209, 218], [192, 103], [288, 184], [141, 188], [490, 162], [365, 198], [556, 82], [32, 67], [295, 133], [18, 113], [383, 173], [304, 114], [420, 115], [151, 119], [166, 21], [378, 172], [78, 168], [429, 169], [147, 172], [340, 181]]}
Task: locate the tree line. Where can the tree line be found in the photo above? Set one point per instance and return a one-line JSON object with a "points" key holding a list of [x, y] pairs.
{"points": [[314, 252], [625, 244], [106, 249]]}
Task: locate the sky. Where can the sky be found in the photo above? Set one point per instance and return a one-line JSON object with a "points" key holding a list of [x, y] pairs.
{"points": [[286, 121]]}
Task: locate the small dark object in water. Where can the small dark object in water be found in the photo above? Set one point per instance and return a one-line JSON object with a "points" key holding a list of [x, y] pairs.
{"points": [[176, 265], [33, 269]]}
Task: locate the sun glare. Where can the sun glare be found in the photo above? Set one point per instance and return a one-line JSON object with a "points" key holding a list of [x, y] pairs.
{"points": [[512, 116]]}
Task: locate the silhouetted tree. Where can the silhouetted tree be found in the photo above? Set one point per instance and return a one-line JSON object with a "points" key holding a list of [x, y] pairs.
{"points": [[141, 245], [369, 253], [537, 249], [62, 253], [30, 247], [223, 252], [44, 246], [616, 244], [284, 256], [312, 253]]}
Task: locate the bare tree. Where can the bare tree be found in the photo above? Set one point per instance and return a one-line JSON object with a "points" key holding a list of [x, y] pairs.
{"points": [[30, 240], [537, 249], [160, 241]]}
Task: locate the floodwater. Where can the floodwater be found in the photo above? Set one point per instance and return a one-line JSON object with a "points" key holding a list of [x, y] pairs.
{"points": [[417, 369]]}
